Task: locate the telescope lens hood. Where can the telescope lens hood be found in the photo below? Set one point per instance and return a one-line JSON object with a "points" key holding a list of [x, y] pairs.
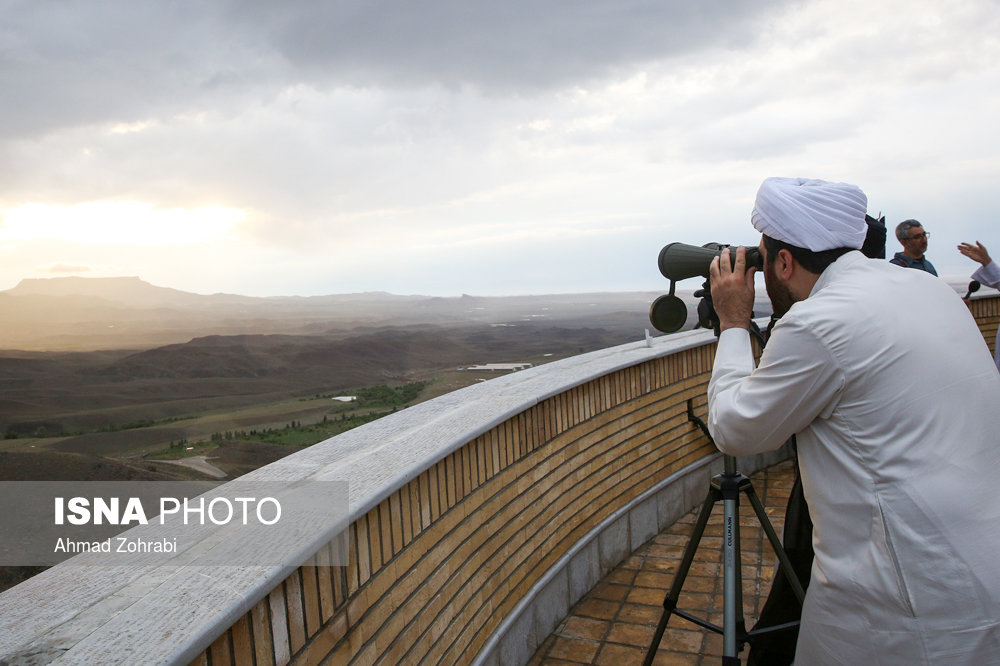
{"points": [[668, 313]]}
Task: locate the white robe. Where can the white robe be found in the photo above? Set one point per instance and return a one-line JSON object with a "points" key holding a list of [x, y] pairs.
{"points": [[888, 384], [990, 276]]}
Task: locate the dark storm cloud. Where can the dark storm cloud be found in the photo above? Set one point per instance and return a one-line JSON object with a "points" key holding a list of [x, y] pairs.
{"points": [[510, 45], [78, 63]]}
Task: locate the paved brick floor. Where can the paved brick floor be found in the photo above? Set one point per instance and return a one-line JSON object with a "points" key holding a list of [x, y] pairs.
{"points": [[614, 624]]}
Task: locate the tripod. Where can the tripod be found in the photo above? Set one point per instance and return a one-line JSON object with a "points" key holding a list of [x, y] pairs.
{"points": [[727, 488]]}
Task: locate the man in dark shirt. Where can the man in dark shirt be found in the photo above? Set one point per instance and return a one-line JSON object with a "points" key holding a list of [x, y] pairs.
{"points": [[914, 241]]}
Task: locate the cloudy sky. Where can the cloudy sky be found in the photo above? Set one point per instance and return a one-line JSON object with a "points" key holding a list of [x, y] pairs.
{"points": [[461, 146]]}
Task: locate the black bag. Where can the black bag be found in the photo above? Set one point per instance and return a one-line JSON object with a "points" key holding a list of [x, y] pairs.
{"points": [[778, 648], [874, 247]]}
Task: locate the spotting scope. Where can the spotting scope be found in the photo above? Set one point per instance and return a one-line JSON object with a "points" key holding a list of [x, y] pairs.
{"points": [[679, 261]]}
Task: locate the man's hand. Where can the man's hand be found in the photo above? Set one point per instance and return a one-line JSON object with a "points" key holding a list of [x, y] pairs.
{"points": [[975, 252], [732, 289]]}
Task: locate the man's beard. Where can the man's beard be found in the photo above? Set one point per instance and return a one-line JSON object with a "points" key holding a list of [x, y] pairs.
{"points": [[781, 297]]}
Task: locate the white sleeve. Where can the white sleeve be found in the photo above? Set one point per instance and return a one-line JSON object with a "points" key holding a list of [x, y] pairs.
{"points": [[751, 411], [988, 275]]}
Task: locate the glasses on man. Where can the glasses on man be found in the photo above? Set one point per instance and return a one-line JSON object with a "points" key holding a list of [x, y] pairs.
{"points": [[921, 236]]}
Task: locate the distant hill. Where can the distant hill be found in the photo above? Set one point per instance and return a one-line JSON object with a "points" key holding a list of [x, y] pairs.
{"points": [[136, 293], [130, 291], [80, 314]]}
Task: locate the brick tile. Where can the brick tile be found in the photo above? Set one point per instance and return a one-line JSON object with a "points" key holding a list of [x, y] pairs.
{"points": [[713, 529], [699, 584], [621, 576], [666, 539], [661, 565], [640, 614], [681, 640], [672, 550], [711, 569], [654, 579], [574, 650], [584, 627], [632, 562], [712, 643], [647, 595], [631, 634], [610, 592], [618, 655], [697, 601], [597, 608], [675, 659], [710, 543]]}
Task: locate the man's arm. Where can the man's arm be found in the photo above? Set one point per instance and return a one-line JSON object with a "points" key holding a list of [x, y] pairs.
{"points": [[988, 274], [755, 410]]}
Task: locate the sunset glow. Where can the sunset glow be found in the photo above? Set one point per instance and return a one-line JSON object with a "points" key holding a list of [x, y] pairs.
{"points": [[117, 222]]}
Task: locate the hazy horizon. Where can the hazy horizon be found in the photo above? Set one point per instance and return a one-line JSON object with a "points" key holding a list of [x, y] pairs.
{"points": [[686, 286], [84, 313], [957, 280]]}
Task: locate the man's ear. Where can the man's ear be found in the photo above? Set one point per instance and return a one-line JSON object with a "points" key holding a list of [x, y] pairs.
{"points": [[784, 266]]}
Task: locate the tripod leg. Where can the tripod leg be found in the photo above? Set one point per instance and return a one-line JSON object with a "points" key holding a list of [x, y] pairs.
{"points": [[779, 550], [670, 602], [733, 621]]}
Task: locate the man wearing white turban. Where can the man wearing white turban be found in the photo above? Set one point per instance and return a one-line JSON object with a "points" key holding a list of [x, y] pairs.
{"points": [[896, 426]]}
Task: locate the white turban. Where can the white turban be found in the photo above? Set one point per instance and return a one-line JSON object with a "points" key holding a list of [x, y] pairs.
{"points": [[813, 214]]}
